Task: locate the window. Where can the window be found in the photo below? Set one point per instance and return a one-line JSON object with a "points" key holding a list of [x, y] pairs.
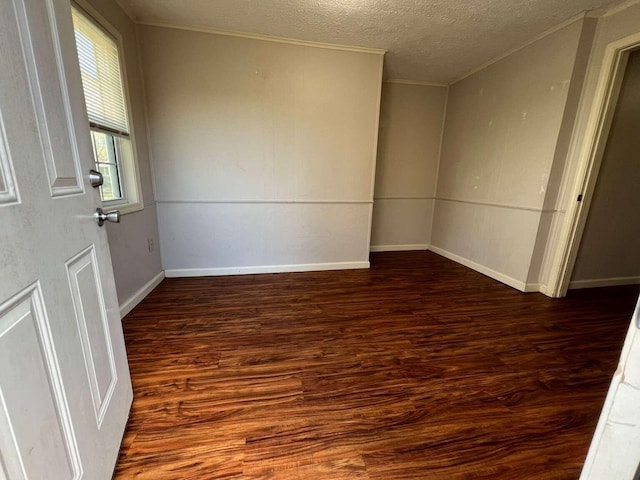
{"points": [[106, 101]]}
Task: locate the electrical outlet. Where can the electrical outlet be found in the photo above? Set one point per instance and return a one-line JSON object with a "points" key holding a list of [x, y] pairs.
{"points": [[150, 242]]}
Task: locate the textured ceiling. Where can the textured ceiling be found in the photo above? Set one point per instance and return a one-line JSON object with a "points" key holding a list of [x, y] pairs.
{"points": [[426, 40]]}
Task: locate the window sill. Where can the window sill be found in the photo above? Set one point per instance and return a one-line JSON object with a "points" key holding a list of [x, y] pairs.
{"points": [[124, 208]]}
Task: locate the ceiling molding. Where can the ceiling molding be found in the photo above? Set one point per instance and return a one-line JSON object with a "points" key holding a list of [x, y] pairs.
{"points": [[426, 40], [267, 38], [400, 81], [126, 8], [607, 12], [544, 34]]}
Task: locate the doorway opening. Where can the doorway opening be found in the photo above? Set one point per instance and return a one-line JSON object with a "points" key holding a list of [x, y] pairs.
{"points": [[607, 254], [589, 158]]}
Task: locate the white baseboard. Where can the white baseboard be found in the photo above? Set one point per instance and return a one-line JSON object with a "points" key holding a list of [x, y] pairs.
{"points": [[532, 287], [501, 277], [604, 282], [302, 267], [399, 248], [137, 297]]}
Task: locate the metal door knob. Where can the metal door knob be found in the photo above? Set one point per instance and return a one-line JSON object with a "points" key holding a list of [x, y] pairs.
{"points": [[95, 178], [102, 216]]}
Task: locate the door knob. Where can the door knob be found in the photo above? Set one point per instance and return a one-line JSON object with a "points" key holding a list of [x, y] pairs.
{"points": [[102, 216], [95, 178]]}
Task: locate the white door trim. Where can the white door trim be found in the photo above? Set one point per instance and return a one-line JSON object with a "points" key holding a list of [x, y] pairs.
{"points": [[589, 154]]}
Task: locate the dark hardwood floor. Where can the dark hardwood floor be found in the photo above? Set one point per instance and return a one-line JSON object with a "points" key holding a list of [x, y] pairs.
{"points": [[416, 369]]}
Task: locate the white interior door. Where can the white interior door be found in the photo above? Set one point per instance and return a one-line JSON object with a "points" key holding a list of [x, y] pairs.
{"points": [[65, 390], [615, 448]]}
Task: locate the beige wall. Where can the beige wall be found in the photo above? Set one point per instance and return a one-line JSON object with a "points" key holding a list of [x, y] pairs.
{"points": [[502, 130], [133, 265], [609, 252], [407, 166], [554, 206], [264, 152]]}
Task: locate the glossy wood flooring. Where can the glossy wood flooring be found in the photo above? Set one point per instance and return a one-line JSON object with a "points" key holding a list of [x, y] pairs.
{"points": [[416, 369]]}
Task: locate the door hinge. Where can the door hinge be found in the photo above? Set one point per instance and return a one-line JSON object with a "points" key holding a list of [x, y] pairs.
{"points": [[580, 197]]}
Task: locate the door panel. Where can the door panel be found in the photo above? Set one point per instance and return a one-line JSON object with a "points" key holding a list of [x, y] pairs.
{"points": [[8, 193], [42, 45], [86, 290], [33, 406], [65, 390]]}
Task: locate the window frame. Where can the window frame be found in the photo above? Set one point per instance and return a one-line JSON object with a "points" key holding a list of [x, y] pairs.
{"points": [[114, 154], [130, 184]]}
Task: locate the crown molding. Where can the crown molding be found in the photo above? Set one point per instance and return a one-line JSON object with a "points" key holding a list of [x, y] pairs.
{"points": [[544, 34], [126, 8], [607, 12], [266, 38], [399, 81]]}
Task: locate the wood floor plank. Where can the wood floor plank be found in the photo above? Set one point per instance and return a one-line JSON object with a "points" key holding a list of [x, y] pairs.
{"points": [[417, 368]]}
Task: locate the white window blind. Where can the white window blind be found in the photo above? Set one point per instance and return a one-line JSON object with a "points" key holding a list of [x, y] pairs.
{"points": [[101, 78]]}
